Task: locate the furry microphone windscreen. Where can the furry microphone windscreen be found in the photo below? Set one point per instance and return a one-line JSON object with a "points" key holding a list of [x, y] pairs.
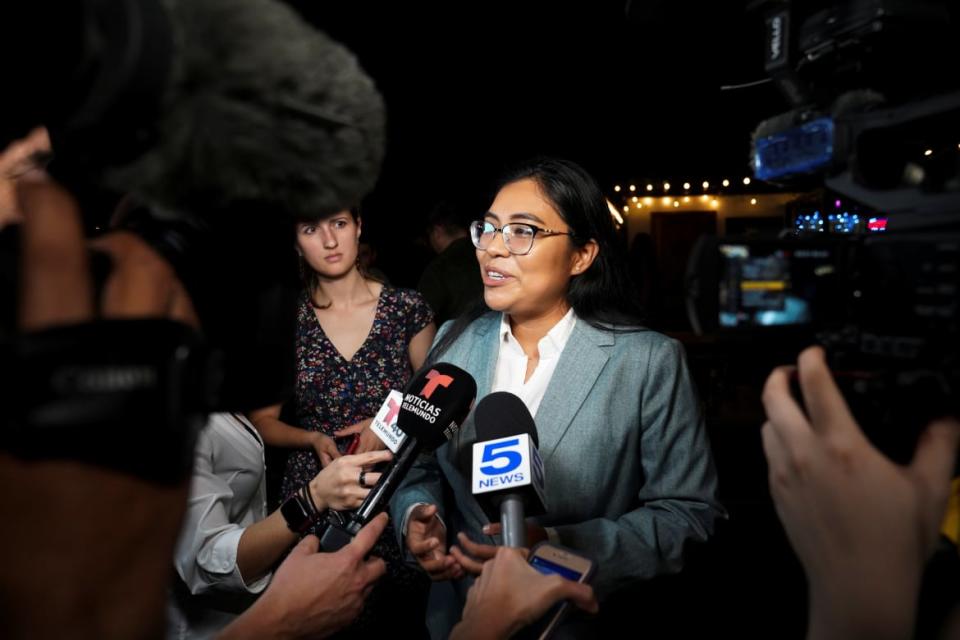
{"points": [[261, 111]]}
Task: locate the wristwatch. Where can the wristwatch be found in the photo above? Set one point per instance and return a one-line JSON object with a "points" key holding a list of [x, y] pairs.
{"points": [[297, 514]]}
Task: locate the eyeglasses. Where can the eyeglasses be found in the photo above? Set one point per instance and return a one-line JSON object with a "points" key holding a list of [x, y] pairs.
{"points": [[517, 236]]}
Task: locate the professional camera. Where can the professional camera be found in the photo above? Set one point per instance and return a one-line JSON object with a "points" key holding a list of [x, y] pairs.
{"points": [[220, 123], [871, 269]]}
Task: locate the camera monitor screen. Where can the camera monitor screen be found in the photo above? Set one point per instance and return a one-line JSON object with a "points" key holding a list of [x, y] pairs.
{"points": [[773, 285]]}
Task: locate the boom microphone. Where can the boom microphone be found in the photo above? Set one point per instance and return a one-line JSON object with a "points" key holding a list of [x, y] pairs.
{"points": [[195, 106], [223, 121]]}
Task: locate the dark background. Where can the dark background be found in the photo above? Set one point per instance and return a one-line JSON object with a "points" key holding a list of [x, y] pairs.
{"points": [[629, 90], [632, 91]]}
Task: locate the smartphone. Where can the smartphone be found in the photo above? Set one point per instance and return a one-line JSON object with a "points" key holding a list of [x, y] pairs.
{"points": [[550, 558]]}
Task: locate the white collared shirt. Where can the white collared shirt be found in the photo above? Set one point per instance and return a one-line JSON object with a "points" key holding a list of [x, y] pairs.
{"points": [[227, 495], [509, 374], [512, 362]]}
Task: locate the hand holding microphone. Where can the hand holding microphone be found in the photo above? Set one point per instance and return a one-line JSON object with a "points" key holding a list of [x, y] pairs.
{"points": [[338, 485], [433, 406]]}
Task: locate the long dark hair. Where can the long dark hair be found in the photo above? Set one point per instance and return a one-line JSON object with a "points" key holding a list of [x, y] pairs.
{"points": [[603, 295]]}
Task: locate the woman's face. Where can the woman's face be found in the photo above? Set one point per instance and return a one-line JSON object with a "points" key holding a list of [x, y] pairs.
{"points": [[533, 285], [330, 245]]}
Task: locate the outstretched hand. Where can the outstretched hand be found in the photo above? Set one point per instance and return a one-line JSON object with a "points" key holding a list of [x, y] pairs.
{"points": [[862, 526]]}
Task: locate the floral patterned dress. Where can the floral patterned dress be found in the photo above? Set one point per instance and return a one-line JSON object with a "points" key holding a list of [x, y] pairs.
{"points": [[333, 393]]}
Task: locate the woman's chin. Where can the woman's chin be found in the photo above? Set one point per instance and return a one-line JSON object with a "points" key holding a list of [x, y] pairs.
{"points": [[496, 302]]}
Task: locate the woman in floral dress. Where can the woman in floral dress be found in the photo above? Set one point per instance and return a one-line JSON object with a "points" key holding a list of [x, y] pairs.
{"points": [[357, 339]]}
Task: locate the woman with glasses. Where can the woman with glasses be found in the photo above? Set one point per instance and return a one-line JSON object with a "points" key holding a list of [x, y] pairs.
{"points": [[629, 477], [357, 338]]}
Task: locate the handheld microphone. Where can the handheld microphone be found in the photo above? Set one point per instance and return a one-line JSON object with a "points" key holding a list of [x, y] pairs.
{"points": [[507, 477], [435, 403]]}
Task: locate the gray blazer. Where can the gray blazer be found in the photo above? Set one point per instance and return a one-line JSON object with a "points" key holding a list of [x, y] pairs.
{"points": [[628, 470]]}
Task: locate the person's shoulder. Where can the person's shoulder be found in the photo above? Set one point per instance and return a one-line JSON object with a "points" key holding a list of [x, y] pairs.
{"points": [[467, 335], [406, 299], [636, 337], [215, 436]]}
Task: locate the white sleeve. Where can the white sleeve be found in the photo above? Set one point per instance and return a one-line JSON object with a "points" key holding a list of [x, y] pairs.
{"points": [[206, 554]]}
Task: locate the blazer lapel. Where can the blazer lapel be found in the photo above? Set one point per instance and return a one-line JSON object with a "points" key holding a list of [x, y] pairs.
{"points": [[581, 362], [479, 357], [484, 352]]}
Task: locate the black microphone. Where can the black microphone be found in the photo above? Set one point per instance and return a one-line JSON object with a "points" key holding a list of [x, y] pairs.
{"points": [[507, 472], [435, 404]]}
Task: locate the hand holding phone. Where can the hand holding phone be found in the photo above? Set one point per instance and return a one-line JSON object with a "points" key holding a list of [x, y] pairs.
{"points": [[511, 593], [551, 559]]}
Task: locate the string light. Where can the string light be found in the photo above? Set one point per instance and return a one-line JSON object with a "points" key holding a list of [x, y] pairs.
{"points": [[753, 201], [725, 182], [746, 181], [633, 187], [928, 152], [626, 208], [634, 198], [686, 186], [649, 187], [706, 185], [616, 214], [666, 186], [686, 198], [676, 203], [616, 188]]}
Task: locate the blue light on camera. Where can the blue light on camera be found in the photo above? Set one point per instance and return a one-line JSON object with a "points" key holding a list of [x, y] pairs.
{"points": [[802, 149]]}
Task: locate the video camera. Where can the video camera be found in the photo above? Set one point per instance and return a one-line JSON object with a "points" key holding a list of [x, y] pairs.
{"points": [[221, 123], [871, 268]]}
